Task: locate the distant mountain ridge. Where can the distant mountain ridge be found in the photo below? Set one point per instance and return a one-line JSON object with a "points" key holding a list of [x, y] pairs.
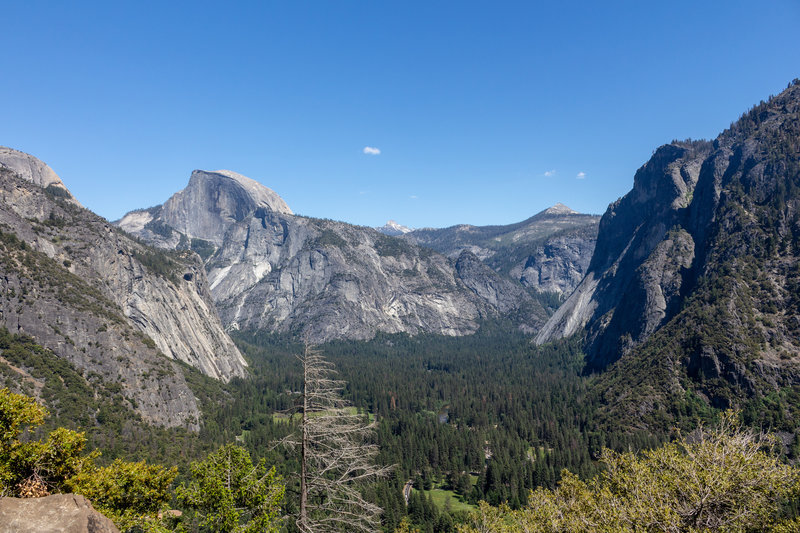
{"points": [[548, 252], [271, 270]]}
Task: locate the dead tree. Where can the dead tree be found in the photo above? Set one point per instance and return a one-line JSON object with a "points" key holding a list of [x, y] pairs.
{"points": [[336, 457]]}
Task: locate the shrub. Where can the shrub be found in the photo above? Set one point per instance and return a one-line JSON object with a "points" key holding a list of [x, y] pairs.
{"points": [[723, 480], [230, 494]]}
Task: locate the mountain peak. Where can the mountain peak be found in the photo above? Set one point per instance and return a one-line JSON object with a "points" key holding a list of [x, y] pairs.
{"points": [[559, 209], [210, 203], [32, 169], [261, 195], [393, 229]]}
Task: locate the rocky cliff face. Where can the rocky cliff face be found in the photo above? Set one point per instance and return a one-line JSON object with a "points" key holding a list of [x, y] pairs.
{"points": [[108, 304], [271, 270], [559, 263], [642, 254], [549, 252], [692, 282]]}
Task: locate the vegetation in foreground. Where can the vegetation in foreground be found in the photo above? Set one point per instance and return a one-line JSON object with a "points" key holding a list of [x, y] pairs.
{"points": [[728, 479], [226, 493], [488, 417]]}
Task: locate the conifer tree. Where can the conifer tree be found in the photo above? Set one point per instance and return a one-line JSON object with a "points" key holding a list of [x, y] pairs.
{"points": [[336, 455]]}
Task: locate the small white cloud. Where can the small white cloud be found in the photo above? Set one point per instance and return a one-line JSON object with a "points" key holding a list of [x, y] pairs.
{"points": [[581, 175], [370, 150], [550, 173], [413, 196], [362, 193]]}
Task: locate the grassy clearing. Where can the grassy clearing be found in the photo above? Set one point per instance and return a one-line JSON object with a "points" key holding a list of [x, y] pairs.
{"points": [[442, 498]]}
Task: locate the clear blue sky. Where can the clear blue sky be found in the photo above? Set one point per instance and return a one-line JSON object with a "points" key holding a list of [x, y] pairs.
{"points": [[483, 112]]}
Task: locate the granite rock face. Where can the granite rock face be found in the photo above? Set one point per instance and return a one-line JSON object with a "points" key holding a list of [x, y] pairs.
{"points": [[214, 201], [111, 306], [549, 252], [32, 169], [634, 280], [271, 270], [500, 292], [59, 513], [701, 247]]}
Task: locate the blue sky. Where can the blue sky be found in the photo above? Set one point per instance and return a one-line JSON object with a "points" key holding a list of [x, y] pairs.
{"points": [[483, 112]]}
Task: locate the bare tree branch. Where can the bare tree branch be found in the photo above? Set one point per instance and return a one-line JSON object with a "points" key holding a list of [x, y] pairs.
{"points": [[336, 455]]}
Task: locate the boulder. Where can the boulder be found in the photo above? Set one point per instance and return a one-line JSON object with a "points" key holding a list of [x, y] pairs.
{"points": [[59, 513]]}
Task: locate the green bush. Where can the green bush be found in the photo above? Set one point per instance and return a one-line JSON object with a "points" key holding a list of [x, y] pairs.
{"points": [[230, 494], [131, 494], [35, 468]]}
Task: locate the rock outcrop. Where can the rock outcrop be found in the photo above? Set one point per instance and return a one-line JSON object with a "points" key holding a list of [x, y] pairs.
{"points": [[693, 282], [32, 169], [642, 255], [59, 513], [208, 207], [500, 292], [271, 270], [108, 304], [549, 252]]}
